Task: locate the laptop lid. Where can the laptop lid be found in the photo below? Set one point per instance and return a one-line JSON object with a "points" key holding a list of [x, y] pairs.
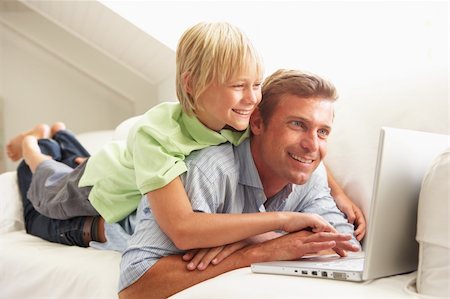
{"points": [[403, 159]]}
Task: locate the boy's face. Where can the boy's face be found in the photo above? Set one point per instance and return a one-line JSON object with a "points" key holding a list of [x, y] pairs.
{"points": [[294, 141], [230, 104]]}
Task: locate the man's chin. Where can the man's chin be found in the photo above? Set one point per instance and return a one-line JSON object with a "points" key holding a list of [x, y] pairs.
{"points": [[300, 180]]}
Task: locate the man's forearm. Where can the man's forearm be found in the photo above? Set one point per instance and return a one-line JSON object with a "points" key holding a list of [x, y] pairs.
{"points": [[170, 275]]}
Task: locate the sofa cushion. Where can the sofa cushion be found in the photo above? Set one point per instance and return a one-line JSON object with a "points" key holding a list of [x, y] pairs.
{"points": [[121, 131], [433, 233], [11, 211]]}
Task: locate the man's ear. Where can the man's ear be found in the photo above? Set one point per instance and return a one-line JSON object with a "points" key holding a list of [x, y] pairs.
{"points": [[256, 122], [186, 81]]}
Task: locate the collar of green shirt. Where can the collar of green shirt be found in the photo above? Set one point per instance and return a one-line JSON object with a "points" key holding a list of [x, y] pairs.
{"points": [[203, 135]]}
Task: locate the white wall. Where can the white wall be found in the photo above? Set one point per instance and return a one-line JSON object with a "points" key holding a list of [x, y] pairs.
{"points": [[38, 87], [50, 72], [389, 61]]}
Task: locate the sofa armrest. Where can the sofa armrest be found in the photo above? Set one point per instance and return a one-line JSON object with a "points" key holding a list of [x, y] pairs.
{"points": [[11, 210]]}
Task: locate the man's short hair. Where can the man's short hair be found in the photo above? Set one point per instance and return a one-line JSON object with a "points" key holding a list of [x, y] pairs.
{"points": [[212, 53], [293, 82]]}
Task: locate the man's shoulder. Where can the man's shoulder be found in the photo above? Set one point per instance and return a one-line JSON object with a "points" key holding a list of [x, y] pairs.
{"points": [[213, 159]]}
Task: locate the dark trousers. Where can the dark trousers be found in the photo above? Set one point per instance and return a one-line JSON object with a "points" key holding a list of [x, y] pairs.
{"points": [[64, 147]]}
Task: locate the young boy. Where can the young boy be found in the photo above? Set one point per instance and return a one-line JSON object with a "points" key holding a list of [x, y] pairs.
{"points": [[219, 75]]}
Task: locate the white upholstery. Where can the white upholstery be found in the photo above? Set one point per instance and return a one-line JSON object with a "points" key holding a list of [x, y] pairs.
{"points": [[11, 218], [39, 269], [433, 233], [242, 283], [34, 268]]}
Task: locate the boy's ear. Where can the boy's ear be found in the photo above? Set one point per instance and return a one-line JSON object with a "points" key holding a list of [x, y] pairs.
{"points": [[256, 122], [186, 78]]}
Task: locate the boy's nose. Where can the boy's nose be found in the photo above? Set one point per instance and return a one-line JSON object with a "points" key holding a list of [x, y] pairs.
{"points": [[253, 96]]}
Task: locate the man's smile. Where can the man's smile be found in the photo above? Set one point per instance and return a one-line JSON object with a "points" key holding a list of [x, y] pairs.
{"points": [[301, 159]]}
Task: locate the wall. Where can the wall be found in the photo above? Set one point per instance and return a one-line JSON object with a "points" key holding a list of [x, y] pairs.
{"points": [[388, 59], [38, 87], [49, 73]]}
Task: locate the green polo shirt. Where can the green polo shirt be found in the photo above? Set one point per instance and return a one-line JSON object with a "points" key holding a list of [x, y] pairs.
{"points": [[153, 155]]}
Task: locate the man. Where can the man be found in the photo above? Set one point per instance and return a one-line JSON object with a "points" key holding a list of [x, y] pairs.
{"points": [[278, 169]]}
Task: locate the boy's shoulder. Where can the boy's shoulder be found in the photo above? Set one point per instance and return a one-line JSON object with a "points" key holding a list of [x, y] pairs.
{"points": [[163, 110]]}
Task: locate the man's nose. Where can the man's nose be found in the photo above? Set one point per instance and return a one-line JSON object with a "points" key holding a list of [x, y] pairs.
{"points": [[310, 141]]}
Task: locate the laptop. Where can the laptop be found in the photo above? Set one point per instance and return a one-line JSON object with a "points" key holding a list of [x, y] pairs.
{"points": [[390, 247]]}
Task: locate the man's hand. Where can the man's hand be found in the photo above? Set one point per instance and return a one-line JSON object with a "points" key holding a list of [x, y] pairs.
{"points": [[295, 245], [353, 213]]}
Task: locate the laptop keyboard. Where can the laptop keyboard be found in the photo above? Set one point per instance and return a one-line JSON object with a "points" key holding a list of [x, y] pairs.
{"points": [[353, 264]]}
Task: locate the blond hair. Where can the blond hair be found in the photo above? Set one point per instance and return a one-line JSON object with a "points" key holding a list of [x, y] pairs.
{"points": [[209, 53], [293, 82]]}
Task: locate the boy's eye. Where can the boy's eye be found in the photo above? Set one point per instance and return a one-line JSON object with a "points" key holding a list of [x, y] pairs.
{"points": [[238, 85]]}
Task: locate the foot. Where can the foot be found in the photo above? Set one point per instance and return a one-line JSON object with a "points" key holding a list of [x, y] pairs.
{"points": [[80, 160], [32, 153], [14, 146], [56, 127]]}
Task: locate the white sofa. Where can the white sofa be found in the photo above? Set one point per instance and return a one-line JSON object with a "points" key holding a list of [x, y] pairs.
{"points": [[33, 268]]}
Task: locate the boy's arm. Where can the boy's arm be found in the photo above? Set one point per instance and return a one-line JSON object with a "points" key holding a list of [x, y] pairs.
{"points": [[169, 275], [347, 206], [188, 229]]}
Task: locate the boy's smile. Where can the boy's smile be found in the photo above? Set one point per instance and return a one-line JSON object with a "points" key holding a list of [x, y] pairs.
{"points": [[229, 104]]}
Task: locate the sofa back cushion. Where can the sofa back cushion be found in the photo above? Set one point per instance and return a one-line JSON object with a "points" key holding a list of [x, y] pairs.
{"points": [[433, 233]]}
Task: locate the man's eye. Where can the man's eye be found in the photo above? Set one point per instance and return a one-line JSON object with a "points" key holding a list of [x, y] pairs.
{"points": [[323, 133], [298, 124]]}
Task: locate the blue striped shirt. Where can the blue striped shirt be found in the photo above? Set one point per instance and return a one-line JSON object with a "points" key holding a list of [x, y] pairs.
{"points": [[224, 179]]}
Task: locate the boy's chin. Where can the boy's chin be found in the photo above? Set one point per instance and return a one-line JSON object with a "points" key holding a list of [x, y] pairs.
{"points": [[236, 128]]}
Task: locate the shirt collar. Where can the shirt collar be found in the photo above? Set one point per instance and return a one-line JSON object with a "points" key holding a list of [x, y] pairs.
{"points": [[249, 174], [203, 135]]}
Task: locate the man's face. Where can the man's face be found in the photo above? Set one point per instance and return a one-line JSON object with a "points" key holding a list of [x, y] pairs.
{"points": [[293, 142]]}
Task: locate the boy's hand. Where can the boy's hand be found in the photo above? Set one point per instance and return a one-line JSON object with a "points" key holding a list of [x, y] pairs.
{"points": [[201, 258], [296, 221]]}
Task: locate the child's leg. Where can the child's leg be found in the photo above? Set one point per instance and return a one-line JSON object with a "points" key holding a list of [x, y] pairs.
{"points": [[75, 231], [71, 148], [14, 146], [53, 189], [32, 153]]}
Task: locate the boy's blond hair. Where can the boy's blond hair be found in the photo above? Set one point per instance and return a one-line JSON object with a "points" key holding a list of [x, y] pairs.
{"points": [[294, 82], [212, 53]]}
